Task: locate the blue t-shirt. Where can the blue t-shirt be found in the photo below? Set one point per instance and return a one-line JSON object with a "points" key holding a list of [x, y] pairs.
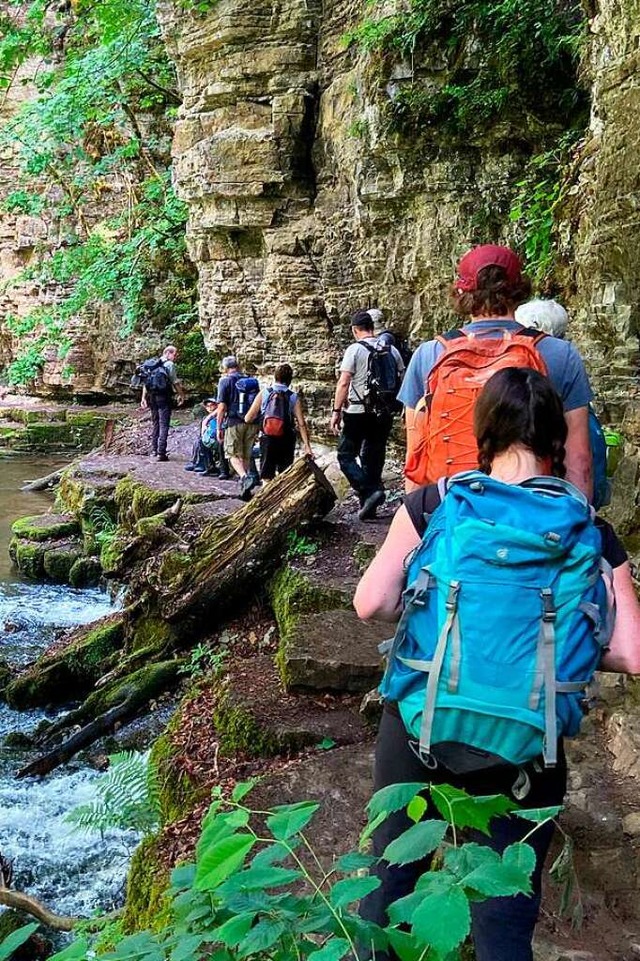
{"points": [[564, 366]]}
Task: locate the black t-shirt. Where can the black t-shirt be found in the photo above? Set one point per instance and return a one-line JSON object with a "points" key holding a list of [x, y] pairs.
{"points": [[426, 499]]}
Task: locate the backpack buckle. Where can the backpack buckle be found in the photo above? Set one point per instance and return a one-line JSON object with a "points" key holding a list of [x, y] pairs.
{"points": [[452, 598], [549, 612]]}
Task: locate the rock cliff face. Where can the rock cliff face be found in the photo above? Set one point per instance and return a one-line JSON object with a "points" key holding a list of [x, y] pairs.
{"points": [[302, 208]]}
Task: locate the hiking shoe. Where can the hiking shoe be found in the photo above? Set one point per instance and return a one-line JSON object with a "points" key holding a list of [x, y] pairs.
{"points": [[246, 487], [368, 510], [162, 457], [190, 467], [224, 475]]}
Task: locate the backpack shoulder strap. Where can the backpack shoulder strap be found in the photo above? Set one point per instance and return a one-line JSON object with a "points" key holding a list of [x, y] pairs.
{"points": [[535, 335], [450, 335]]}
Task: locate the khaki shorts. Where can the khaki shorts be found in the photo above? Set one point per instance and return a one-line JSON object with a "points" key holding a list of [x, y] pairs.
{"points": [[239, 439]]}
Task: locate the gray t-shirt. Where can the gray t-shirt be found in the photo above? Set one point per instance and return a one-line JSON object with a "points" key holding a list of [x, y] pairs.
{"points": [[356, 363], [564, 365]]}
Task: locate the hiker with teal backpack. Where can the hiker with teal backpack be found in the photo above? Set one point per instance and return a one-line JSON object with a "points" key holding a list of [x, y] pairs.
{"points": [[502, 581]]}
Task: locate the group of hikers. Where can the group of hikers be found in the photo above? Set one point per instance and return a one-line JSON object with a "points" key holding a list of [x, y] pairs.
{"points": [[507, 589]]}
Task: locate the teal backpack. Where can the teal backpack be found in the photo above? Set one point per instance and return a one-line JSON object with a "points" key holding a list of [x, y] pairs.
{"points": [[506, 614]]}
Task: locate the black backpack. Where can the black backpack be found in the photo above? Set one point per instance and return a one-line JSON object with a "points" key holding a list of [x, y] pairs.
{"points": [[383, 380], [246, 389], [153, 375]]}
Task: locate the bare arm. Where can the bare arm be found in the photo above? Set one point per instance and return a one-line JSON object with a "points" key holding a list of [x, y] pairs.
{"points": [[340, 399], [578, 448], [379, 592], [144, 403], [624, 649], [221, 413], [254, 411], [301, 424]]}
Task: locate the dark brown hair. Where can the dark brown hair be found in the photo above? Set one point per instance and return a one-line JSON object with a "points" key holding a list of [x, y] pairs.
{"points": [[495, 296], [284, 374], [520, 406]]}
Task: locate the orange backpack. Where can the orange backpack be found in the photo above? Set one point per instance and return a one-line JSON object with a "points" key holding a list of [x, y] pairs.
{"points": [[440, 440]]}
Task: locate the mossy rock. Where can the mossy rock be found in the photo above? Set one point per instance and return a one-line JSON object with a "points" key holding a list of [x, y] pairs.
{"points": [[112, 552], [55, 435], [86, 418], [135, 500], [28, 557], [85, 572], [45, 527], [179, 793], [6, 674], [142, 686], [253, 714], [59, 560], [72, 672], [152, 634], [148, 903], [294, 592]]}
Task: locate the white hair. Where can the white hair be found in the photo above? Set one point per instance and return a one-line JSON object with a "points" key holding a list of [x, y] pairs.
{"points": [[546, 315], [169, 349]]}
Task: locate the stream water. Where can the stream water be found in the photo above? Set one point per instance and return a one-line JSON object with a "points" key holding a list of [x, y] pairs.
{"points": [[72, 871]]}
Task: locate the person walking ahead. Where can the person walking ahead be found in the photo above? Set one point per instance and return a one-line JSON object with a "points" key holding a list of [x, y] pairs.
{"points": [[280, 412], [365, 420], [157, 396], [238, 437]]}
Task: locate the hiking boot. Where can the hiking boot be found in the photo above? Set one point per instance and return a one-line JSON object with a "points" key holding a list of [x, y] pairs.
{"points": [[191, 467], [368, 510], [246, 487], [163, 457], [224, 475]]}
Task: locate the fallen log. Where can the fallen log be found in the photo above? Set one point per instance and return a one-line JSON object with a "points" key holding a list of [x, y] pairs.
{"points": [[42, 483], [230, 557], [30, 905]]}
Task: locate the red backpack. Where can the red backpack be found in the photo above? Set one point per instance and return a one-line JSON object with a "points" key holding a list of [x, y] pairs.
{"points": [[440, 433], [276, 420]]}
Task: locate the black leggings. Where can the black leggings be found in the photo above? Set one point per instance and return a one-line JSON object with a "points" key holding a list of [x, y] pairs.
{"points": [[502, 928]]}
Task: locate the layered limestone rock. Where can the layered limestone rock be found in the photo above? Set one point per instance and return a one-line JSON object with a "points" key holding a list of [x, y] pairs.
{"points": [[302, 208]]}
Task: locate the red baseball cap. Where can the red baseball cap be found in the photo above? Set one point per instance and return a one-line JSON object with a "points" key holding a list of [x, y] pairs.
{"points": [[488, 255]]}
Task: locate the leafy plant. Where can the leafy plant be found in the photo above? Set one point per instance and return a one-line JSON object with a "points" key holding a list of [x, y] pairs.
{"points": [[300, 546], [204, 659], [257, 888], [128, 797]]}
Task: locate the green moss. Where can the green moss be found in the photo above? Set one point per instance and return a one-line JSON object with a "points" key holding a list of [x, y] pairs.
{"points": [[29, 558], [43, 527], [152, 634], [135, 501], [112, 552], [179, 793], [239, 730], [363, 554], [142, 686], [293, 592], [85, 572], [86, 418], [59, 560], [72, 672], [148, 904]]}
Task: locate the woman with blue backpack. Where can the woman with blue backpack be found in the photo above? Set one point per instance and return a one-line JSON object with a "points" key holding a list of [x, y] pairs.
{"points": [[502, 582]]}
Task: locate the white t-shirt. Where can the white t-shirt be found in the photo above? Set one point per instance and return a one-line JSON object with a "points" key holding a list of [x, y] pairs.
{"points": [[356, 363]]}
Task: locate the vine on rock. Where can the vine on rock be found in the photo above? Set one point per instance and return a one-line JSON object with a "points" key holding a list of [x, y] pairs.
{"points": [[93, 147]]}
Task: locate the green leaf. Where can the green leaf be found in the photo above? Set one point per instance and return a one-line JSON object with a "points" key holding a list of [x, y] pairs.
{"points": [[521, 856], [352, 889], [325, 745], [416, 842], [221, 860], [289, 819], [260, 938], [461, 861], [539, 814], [76, 950], [273, 852], [17, 938], [443, 920], [221, 826], [235, 929], [404, 945], [354, 861], [261, 878], [183, 876], [187, 946], [393, 798], [401, 911], [332, 950], [417, 808], [464, 811], [241, 790], [371, 827]]}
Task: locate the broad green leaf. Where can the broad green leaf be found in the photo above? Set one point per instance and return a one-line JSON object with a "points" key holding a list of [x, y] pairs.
{"points": [[371, 827], [497, 880], [459, 808], [235, 929], [416, 842], [393, 798], [221, 826], [443, 920], [289, 819], [273, 852], [259, 879], [539, 814], [355, 861], [404, 945], [521, 856], [332, 950], [261, 937], [468, 857], [349, 890], [187, 946], [364, 932], [401, 911], [417, 808], [241, 790], [221, 860], [182, 876]]}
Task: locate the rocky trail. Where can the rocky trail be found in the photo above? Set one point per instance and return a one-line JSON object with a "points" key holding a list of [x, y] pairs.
{"points": [[277, 683]]}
